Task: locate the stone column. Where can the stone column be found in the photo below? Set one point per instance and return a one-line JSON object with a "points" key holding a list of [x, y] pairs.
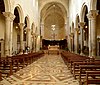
{"points": [[82, 41], [72, 42], [35, 43], [76, 40], [68, 32], [69, 43], [9, 17], [28, 36], [21, 25], [32, 42], [92, 32]]}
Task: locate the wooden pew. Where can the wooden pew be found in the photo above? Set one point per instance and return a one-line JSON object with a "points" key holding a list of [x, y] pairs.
{"points": [[84, 68], [70, 58], [77, 64], [92, 77], [14, 63], [79, 61], [6, 68]]}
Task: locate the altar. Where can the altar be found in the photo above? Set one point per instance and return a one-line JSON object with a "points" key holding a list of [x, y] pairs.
{"points": [[53, 49]]}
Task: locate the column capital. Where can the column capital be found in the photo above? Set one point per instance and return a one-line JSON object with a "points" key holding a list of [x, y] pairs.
{"points": [[21, 25], [9, 16], [71, 34], [92, 14], [81, 24], [77, 29]]}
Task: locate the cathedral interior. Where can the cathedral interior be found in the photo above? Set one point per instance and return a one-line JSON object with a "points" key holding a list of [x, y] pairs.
{"points": [[49, 42]]}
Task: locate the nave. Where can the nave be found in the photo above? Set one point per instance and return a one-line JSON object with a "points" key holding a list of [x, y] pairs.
{"points": [[47, 70]]}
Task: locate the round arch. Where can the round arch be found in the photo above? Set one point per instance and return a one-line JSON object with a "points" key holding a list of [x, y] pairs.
{"points": [[20, 11], [83, 18], [27, 21], [83, 10]]}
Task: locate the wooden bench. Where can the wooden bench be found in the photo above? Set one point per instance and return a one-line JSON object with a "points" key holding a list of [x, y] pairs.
{"points": [[92, 77], [84, 68], [77, 64], [6, 68], [70, 58], [9, 65]]}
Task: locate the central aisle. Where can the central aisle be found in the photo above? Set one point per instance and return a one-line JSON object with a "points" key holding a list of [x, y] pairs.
{"points": [[48, 70]]}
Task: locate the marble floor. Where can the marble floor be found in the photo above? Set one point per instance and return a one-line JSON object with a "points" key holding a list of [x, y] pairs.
{"points": [[48, 70]]}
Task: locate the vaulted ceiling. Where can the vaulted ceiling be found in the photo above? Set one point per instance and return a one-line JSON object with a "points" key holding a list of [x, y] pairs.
{"points": [[53, 13]]}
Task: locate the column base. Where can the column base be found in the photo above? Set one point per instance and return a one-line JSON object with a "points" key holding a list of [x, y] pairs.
{"points": [[90, 56], [81, 53], [21, 53], [72, 51]]}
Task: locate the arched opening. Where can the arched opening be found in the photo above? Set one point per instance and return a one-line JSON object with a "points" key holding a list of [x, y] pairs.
{"points": [[53, 18], [85, 29], [25, 33], [98, 6], [2, 6], [16, 32], [86, 32], [2, 27]]}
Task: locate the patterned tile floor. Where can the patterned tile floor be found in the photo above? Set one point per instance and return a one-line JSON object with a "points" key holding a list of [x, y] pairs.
{"points": [[48, 70]]}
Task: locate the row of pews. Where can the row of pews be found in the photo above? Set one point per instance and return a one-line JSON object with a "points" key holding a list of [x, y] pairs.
{"points": [[83, 68], [11, 64]]}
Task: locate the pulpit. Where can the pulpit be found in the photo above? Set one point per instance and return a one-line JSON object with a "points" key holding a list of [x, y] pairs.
{"points": [[53, 49]]}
